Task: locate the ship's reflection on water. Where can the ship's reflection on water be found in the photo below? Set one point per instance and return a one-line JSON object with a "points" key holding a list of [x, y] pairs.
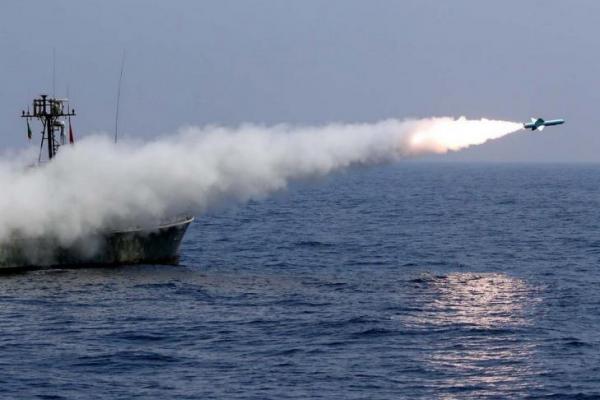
{"points": [[475, 326]]}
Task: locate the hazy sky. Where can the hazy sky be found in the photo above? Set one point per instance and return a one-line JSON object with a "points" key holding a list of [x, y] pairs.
{"points": [[310, 62]]}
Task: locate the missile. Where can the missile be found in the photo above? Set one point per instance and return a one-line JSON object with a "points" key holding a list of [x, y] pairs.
{"points": [[539, 124]]}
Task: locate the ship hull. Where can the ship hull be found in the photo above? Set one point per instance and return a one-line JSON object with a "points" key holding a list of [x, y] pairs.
{"points": [[158, 245]]}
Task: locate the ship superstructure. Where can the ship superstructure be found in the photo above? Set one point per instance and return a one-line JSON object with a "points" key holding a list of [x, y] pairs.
{"points": [[53, 114], [154, 243]]}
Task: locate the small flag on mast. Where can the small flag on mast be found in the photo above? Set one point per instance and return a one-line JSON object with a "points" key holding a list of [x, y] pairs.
{"points": [[71, 137], [28, 130]]}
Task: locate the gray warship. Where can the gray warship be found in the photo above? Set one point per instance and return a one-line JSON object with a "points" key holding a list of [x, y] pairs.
{"points": [[157, 244]]}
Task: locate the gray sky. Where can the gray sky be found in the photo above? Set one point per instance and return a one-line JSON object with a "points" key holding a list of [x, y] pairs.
{"points": [[310, 62]]}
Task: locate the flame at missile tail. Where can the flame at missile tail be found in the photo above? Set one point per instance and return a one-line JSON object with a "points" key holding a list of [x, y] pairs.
{"points": [[96, 185]]}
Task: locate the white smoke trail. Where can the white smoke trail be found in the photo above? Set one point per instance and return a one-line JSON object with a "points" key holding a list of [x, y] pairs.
{"points": [[96, 185]]}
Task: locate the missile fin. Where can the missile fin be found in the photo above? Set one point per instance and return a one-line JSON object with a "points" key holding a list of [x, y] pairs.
{"points": [[541, 127]]}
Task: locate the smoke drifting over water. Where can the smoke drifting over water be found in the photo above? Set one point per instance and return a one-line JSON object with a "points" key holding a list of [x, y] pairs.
{"points": [[96, 185]]}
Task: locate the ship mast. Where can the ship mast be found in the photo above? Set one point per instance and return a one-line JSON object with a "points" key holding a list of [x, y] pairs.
{"points": [[51, 112]]}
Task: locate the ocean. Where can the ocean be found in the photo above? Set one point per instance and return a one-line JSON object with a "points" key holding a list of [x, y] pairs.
{"points": [[411, 280]]}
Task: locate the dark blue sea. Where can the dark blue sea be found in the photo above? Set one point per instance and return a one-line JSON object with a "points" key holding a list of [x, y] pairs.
{"points": [[450, 281]]}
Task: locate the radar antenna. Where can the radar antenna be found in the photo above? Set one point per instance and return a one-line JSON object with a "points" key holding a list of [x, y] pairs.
{"points": [[51, 112]]}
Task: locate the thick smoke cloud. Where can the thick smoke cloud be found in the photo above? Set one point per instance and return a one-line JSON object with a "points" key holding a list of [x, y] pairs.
{"points": [[95, 185]]}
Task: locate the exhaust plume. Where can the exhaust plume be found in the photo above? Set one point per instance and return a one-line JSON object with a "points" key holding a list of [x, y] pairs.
{"points": [[95, 185]]}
